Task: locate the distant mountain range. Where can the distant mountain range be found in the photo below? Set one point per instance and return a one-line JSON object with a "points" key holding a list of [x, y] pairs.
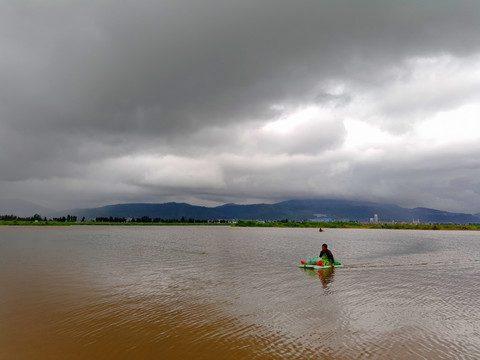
{"points": [[22, 208], [326, 210]]}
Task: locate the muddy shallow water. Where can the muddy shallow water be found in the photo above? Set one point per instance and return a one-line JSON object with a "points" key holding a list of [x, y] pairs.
{"points": [[237, 293]]}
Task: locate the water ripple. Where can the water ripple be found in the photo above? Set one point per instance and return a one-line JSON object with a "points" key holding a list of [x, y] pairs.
{"points": [[217, 293]]}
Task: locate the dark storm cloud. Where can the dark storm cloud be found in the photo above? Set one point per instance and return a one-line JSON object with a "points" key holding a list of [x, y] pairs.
{"points": [[159, 67], [83, 82]]}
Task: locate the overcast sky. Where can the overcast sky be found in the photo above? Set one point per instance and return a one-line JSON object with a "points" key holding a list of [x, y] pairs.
{"points": [[244, 101]]}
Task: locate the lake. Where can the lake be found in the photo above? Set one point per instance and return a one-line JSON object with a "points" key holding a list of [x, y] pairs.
{"points": [[119, 292]]}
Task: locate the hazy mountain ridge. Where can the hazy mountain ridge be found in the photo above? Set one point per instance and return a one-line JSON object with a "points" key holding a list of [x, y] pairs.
{"points": [[307, 209], [22, 208], [345, 210]]}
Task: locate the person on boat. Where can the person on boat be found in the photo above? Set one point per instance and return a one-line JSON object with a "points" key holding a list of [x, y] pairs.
{"points": [[327, 256]]}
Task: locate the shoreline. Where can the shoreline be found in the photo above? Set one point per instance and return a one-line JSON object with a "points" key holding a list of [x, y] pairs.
{"points": [[252, 223]]}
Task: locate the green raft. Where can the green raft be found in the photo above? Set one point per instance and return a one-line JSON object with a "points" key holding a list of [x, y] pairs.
{"points": [[312, 262], [318, 267]]}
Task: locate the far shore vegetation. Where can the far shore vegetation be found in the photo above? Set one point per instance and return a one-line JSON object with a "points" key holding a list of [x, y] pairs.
{"points": [[37, 220], [356, 225], [70, 220]]}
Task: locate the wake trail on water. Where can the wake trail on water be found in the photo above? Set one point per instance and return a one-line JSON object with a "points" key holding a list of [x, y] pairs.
{"points": [[438, 263]]}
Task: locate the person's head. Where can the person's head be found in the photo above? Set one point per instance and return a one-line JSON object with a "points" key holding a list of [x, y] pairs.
{"points": [[324, 247]]}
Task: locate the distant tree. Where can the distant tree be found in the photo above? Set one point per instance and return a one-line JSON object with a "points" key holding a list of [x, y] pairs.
{"points": [[36, 217]]}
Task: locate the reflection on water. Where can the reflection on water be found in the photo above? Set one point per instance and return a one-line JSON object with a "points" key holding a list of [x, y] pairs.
{"points": [[217, 293], [325, 275]]}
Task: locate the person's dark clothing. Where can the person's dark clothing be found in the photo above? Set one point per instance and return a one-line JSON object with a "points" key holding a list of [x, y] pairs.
{"points": [[329, 255]]}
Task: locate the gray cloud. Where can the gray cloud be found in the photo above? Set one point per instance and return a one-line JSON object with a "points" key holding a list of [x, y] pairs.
{"points": [[85, 85]]}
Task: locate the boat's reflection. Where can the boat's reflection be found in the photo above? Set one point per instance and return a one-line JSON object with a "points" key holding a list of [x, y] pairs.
{"points": [[325, 275]]}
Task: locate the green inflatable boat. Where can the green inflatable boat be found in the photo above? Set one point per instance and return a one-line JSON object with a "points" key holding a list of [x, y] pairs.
{"points": [[318, 263], [319, 267]]}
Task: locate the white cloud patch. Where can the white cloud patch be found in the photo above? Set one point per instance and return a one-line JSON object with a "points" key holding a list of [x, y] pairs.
{"points": [[418, 89], [306, 131], [453, 128], [163, 172]]}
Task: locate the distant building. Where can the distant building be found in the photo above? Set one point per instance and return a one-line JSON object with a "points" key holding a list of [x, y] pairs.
{"points": [[375, 218]]}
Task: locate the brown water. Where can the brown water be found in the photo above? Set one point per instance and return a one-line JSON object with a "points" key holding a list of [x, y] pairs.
{"points": [[236, 293]]}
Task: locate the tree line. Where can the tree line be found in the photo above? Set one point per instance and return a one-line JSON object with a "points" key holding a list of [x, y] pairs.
{"points": [[157, 220], [110, 219], [37, 217]]}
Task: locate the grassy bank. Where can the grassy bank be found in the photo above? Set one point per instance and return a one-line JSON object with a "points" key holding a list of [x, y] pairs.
{"points": [[353, 225], [252, 223], [99, 223]]}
